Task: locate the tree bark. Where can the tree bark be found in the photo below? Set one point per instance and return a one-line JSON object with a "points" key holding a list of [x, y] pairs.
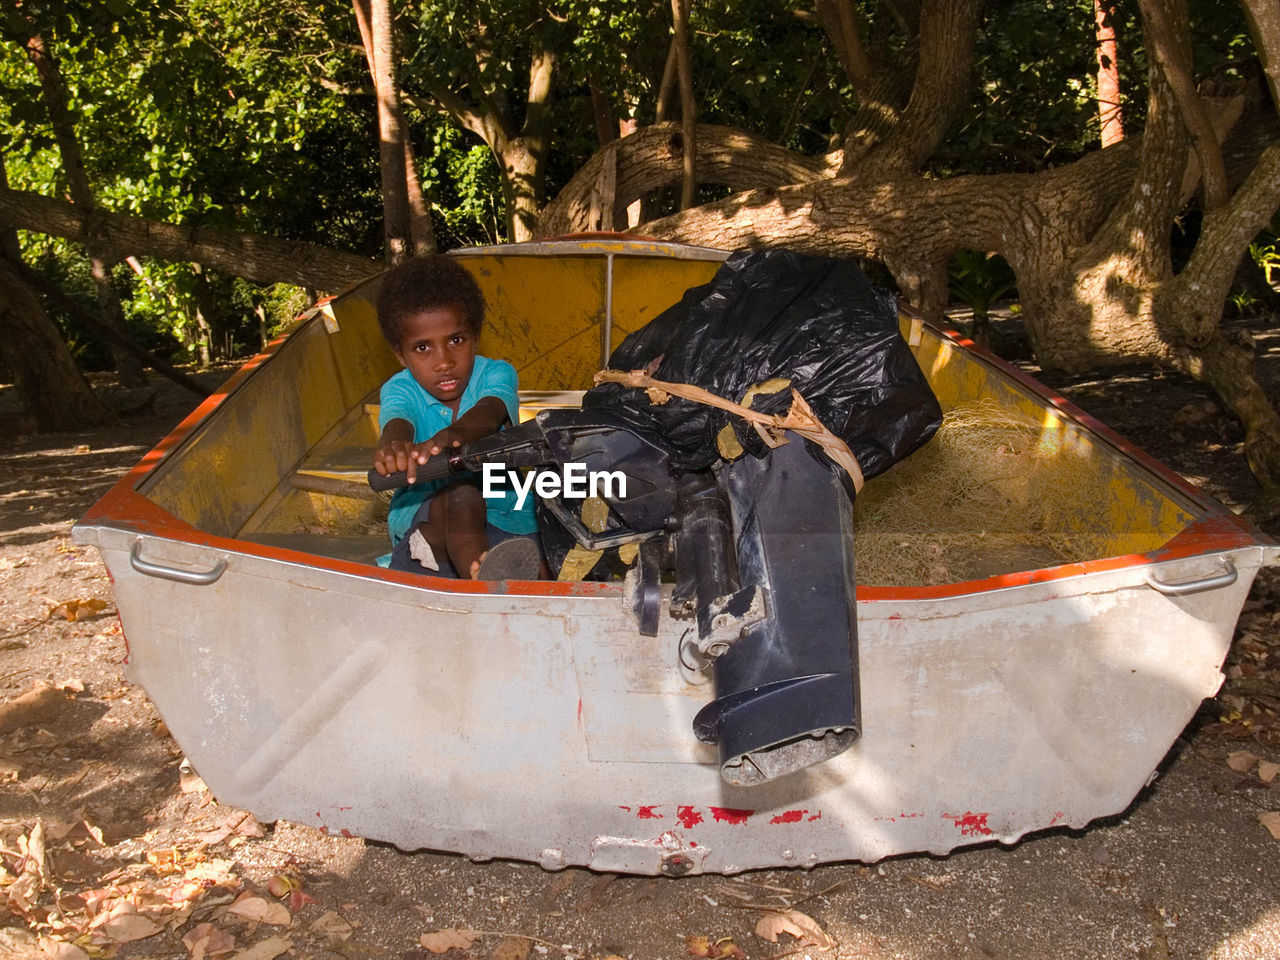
{"points": [[128, 370], [93, 324], [397, 225], [421, 229], [1110, 116], [1168, 32], [688, 107], [251, 256], [521, 153], [652, 159], [1264, 27], [46, 377]]}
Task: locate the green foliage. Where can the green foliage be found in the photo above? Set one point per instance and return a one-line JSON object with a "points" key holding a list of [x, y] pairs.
{"points": [[978, 280], [257, 116], [1264, 254]]}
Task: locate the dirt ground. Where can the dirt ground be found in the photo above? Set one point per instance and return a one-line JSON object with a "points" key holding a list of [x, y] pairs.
{"points": [[110, 848]]}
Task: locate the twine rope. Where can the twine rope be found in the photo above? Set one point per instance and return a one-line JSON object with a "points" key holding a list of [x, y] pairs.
{"points": [[799, 419]]}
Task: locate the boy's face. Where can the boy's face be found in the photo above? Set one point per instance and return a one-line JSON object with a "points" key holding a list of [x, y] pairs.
{"points": [[439, 350]]}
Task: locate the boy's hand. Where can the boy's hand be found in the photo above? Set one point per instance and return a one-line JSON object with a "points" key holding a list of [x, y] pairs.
{"points": [[449, 438], [394, 456]]}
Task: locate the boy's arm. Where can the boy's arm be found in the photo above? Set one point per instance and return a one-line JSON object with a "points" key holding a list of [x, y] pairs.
{"points": [[485, 418], [397, 451]]}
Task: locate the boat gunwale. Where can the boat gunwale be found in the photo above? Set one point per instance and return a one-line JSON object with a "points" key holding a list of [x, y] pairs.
{"points": [[125, 507]]}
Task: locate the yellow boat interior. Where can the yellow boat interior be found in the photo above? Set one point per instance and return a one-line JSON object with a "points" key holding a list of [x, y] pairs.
{"points": [[1015, 480]]}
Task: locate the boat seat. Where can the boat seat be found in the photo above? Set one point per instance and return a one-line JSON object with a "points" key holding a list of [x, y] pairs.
{"points": [[341, 472], [358, 548]]}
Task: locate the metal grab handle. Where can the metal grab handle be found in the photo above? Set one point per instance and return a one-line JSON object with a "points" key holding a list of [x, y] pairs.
{"points": [[1226, 578], [198, 578]]}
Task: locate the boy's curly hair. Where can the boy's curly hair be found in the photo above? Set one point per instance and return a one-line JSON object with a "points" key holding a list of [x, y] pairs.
{"points": [[427, 283]]}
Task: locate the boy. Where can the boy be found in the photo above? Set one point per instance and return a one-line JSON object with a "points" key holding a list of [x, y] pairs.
{"points": [[431, 311]]}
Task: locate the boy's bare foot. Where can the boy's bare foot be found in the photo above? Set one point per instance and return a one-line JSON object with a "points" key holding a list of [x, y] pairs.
{"points": [[514, 559]]}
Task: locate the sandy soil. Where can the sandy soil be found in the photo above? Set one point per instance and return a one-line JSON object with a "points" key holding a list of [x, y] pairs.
{"points": [[110, 848]]}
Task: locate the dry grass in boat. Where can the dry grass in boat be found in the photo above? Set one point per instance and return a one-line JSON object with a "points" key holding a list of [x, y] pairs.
{"points": [[993, 492]]}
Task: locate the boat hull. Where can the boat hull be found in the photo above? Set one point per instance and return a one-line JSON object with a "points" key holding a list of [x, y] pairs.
{"points": [[546, 729]]}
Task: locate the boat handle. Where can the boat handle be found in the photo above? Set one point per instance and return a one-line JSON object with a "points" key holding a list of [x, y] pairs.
{"points": [[1225, 578], [198, 578]]}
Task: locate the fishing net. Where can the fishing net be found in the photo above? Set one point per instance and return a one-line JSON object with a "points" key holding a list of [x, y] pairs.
{"points": [[994, 492]]}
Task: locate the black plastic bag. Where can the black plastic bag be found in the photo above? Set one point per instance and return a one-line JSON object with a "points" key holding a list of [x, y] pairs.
{"points": [[818, 322]]}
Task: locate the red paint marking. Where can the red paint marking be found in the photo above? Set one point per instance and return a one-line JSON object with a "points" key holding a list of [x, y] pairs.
{"points": [[971, 824], [646, 813], [816, 816], [579, 711], [621, 807], [688, 817], [730, 815], [347, 833], [1056, 817], [789, 816], [334, 806], [693, 843], [325, 831]]}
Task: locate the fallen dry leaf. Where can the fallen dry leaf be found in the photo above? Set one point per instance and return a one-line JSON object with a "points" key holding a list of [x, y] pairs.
{"points": [[722, 949], [239, 824], [1271, 820], [332, 926], [511, 948], [1241, 761], [55, 949], [127, 927], [78, 608], [250, 906], [451, 938], [800, 925], [267, 949], [206, 940], [1267, 770]]}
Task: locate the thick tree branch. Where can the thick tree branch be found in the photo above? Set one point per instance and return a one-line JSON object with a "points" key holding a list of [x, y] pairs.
{"points": [[1264, 27], [1168, 35], [948, 29], [652, 158], [251, 256], [837, 20], [1225, 234]]}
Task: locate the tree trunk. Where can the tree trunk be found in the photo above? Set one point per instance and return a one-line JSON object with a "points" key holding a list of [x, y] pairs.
{"points": [[1110, 116], [688, 107], [128, 370], [46, 377], [397, 226]]}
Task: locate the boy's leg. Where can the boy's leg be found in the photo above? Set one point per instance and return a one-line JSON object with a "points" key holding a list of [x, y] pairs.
{"points": [[455, 526]]}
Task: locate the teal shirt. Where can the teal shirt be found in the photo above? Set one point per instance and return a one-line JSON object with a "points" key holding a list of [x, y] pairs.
{"points": [[403, 399]]}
